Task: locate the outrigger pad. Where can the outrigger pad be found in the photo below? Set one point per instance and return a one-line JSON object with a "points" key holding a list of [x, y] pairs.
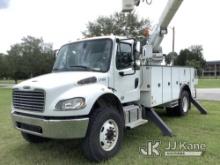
{"points": [[199, 107], [151, 115]]}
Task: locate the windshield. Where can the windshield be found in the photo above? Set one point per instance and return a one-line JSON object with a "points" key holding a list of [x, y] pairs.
{"points": [[93, 55]]}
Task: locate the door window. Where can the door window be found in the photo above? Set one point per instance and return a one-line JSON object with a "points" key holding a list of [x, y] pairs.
{"points": [[124, 56]]}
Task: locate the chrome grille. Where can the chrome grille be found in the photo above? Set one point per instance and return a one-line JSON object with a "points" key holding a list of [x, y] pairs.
{"points": [[29, 100]]}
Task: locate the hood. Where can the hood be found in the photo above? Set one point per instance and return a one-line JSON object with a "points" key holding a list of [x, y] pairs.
{"points": [[58, 79]]}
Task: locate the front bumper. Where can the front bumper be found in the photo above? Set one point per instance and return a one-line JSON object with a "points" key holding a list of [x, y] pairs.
{"points": [[51, 128]]}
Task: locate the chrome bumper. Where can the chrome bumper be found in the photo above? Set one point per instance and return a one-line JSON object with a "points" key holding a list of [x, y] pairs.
{"points": [[56, 129]]}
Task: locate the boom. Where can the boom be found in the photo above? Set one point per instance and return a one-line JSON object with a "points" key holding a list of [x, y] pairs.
{"points": [[161, 29], [165, 19]]}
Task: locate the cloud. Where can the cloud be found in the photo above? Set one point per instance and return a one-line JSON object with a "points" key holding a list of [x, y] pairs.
{"points": [[4, 4]]}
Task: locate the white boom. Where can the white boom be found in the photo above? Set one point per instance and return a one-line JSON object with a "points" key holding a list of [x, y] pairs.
{"points": [[165, 19], [161, 29]]}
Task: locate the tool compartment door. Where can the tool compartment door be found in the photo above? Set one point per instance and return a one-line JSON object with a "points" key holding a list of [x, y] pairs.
{"points": [[184, 76], [166, 84], [175, 83], [151, 88], [193, 82], [156, 85]]}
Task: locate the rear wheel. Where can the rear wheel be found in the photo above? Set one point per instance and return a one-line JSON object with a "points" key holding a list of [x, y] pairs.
{"points": [[184, 104], [33, 138], [183, 107], [104, 135]]}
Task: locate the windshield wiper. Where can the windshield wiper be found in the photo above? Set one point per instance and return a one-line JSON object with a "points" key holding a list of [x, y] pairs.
{"points": [[84, 67], [55, 69], [58, 69]]}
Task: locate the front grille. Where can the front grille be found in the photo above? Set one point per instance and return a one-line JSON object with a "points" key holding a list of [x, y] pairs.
{"points": [[29, 100]]}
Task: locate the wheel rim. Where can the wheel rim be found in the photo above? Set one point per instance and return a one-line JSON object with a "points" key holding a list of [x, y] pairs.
{"points": [[108, 136], [185, 104]]}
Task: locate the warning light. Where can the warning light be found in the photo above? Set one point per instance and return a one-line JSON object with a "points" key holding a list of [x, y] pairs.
{"points": [[146, 32]]}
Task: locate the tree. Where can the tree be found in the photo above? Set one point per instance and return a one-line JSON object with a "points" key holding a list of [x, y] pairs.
{"points": [[118, 24], [29, 58], [35, 54], [192, 57], [3, 66], [182, 57], [171, 56], [17, 68]]}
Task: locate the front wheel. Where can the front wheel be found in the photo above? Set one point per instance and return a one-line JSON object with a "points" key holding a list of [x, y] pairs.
{"points": [[104, 135]]}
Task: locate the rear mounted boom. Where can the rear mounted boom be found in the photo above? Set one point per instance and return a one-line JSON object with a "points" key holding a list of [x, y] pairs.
{"points": [[165, 19]]}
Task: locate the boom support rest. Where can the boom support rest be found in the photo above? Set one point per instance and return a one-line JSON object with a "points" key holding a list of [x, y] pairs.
{"points": [[151, 115], [198, 106]]}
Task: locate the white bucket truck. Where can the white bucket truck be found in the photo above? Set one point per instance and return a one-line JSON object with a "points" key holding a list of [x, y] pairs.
{"points": [[97, 89]]}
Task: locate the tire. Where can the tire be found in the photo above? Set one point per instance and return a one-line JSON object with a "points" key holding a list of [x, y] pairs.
{"points": [[172, 111], [184, 104], [183, 107], [33, 138], [104, 135]]}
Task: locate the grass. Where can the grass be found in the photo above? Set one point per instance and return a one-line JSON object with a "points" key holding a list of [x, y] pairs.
{"points": [[209, 83], [9, 81], [194, 128]]}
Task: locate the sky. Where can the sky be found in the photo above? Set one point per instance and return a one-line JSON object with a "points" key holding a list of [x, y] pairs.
{"points": [[62, 21]]}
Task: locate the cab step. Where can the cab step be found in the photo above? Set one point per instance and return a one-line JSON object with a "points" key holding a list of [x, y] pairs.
{"points": [[136, 123], [133, 116]]}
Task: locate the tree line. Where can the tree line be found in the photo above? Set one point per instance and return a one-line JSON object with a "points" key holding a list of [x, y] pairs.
{"points": [[192, 56], [33, 57], [30, 58]]}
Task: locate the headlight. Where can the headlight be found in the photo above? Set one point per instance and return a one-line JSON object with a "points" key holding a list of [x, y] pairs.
{"points": [[71, 104]]}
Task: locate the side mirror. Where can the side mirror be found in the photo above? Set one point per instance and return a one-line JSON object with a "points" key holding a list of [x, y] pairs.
{"points": [[137, 51], [56, 53], [138, 47]]}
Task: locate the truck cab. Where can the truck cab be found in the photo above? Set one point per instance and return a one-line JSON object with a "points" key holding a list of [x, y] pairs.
{"points": [[97, 89]]}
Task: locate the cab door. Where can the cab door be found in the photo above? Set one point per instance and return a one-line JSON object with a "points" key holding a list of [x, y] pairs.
{"points": [[126, 77]]}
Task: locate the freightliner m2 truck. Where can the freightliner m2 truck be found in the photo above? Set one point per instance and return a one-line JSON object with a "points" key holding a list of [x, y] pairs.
{"points": [[101, 86]]}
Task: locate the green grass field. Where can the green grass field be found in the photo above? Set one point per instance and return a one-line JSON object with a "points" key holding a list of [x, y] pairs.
{"points": [[194, 128], [7, 81], [209, 83]]}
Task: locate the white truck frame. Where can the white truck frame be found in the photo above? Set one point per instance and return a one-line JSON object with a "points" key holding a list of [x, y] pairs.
{"points": [[96, 104]]}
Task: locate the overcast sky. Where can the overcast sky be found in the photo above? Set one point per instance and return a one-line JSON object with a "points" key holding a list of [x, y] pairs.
{"points": [[61, 21]]}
